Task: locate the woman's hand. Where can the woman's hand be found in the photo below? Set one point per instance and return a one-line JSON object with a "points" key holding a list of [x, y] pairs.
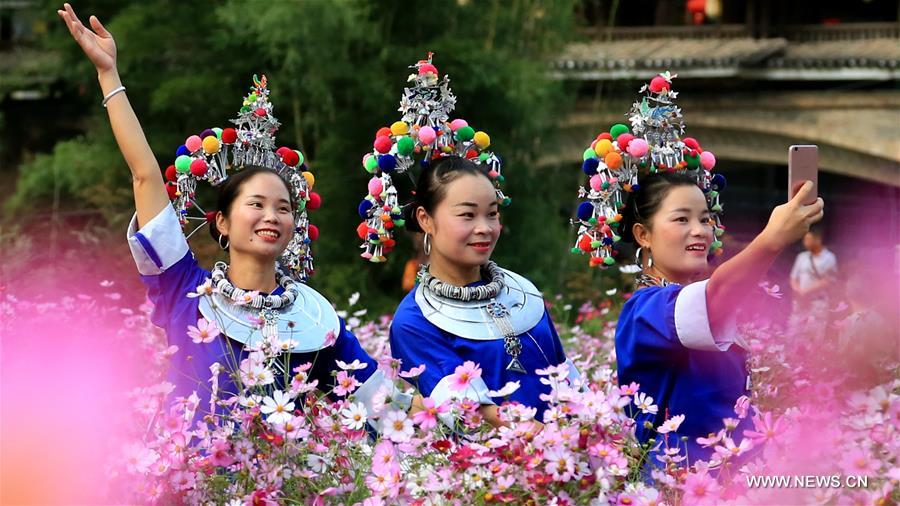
{"points": [[790, 221], [98, 44]]}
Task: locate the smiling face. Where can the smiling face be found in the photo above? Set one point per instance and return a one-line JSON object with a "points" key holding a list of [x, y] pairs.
{"points": [[679, 234], [464, 226], [260, 219]]}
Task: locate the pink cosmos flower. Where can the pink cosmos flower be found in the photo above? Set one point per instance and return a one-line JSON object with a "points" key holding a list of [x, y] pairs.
{"points": [[205, 289], [330, 339], [205, 332], [671, 425], [463, 375], [220, 454], [414, 372], [700, 489], [396, 426], [732, 450], [345, 383], [560, 464], [427, 418], [764, 428], [247, 298]]}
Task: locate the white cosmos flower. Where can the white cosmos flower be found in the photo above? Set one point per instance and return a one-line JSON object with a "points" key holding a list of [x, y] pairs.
{"points": [[671, 425], [278, 407], [352, 366], [645, 403], [354, 416]]}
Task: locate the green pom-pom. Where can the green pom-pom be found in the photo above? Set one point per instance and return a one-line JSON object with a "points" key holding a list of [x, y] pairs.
{"points": [[507, 201], [719, 232], [500, 178], [245, 108], [399, 222], [717, 208], [371, 164], [301, 205], [395, 210], [604, 185], [218, 132], [588, 153], [595, 244], [713, 194], [716, 245], [575, 250], [405, 145], [465, 133], [484, 156], [615, 224], [617, 130], [616, 238], [183, 164], [592, 221], [692, 161], [252, 97], [619, 204], [609, 260]]}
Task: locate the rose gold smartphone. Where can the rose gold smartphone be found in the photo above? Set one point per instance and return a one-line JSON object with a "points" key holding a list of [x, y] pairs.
{"points": [[803, 165]]}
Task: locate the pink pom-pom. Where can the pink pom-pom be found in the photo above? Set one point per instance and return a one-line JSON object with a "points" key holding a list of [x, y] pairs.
{"points": [[596, 182], [638, 147], [375, 187], [623, 141], [707, 160], [193, 143], [493, 174], [426, 68], [312, 232], [366, 255], [658, 84], [457, 124], [427, 135]]}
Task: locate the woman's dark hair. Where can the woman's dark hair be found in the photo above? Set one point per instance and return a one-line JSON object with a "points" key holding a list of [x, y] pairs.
{"points": [[431, 187], [644, 202], [232, 188]]}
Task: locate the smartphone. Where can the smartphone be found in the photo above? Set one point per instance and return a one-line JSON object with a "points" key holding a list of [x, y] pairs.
{"points": [[803, 165]]}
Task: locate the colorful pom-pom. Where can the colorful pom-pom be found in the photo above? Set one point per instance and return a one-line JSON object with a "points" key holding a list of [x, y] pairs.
{"points": [[399, 128], [588, 153], [183, 164], [618, 129], [692, 161], [584, 243], [387, 163], [427, 135], [315, 201], [427, 68], [290, 158], [707, 160], [312, 232], [300, 157], [659, 83], [605, 135], [719, 182], [383, 132], [182, 150], [638, 147], [172, 190], [362, 229], [691, 143], [406, 145], [210, 144], [465, 134], [199, 167], [375, 187], [590, 165], [171, 173], [218, 132], [193, 143], [229, 135], [623, 141], [482, 140], [207, 133], [613, 160], [383, 144], [260, 112], [596, 182], [609, 260], [603, 147], [585, 211], [310, 179], [457, 124], [370, 162]]}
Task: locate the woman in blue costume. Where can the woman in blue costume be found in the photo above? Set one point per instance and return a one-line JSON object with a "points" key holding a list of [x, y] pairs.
{"points": [[257, 300], [676, 336], [465, 307]]}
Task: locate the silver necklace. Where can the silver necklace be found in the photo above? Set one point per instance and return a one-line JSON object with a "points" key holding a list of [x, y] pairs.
{"points": [[267, 306], [495, 309]]}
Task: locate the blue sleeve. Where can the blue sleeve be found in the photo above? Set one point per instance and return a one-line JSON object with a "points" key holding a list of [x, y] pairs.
{"points": [[346, 349], [415, 341], [647, 325], [557, 343], [166, 264]]}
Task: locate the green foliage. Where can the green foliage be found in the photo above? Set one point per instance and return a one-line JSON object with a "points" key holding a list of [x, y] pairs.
{"points": [[336, 70]]}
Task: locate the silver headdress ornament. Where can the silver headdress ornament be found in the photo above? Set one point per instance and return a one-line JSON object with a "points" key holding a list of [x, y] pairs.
{"points": [[214, 153], [424, 132], [615, 160]]}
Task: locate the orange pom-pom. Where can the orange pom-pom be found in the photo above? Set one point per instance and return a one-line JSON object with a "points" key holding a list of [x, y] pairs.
{"points": [[613, 160], [362, 230], [584, 244]]}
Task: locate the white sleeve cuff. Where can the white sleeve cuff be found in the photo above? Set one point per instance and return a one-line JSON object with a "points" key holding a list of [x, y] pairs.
{"points": [[367, 391], [159, 244], [692, 321], [477, 391], [574, 375]]}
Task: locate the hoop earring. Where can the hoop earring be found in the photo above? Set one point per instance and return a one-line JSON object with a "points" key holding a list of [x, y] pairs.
{"points": [[426, 245], [227, 242], [639, 261], [649, 258]]}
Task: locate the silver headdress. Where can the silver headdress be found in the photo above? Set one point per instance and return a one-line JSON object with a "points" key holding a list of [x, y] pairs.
{"points": [[211, 155], [424, 132], [616, 158]]}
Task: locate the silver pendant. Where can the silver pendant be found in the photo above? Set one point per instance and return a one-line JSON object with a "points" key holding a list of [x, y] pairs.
{"points": [[515, 365]]}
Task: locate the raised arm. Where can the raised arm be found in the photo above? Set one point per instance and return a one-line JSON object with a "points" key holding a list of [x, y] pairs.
{"points": [[737, 277], [150, 195]]}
